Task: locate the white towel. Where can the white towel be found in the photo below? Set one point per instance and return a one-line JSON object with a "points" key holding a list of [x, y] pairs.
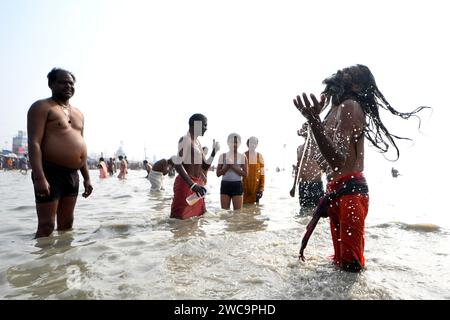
{"points": [[156, 178]]}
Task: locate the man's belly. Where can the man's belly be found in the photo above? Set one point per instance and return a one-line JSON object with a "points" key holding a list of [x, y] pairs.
{"points": [[67, 150]]}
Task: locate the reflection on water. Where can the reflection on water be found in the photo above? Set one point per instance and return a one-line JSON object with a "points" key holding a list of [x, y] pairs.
{"points": [[48, 275], [124, 245], [186, 228], [248, 219], [49, 280], [51, 275], [49, 246]]}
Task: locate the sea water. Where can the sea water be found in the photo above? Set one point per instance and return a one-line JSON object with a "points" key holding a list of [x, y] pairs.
{"points": [[125, 246]]}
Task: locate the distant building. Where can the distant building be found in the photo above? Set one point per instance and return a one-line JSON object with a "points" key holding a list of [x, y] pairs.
{"points": [[120, 151], [20, 143]]}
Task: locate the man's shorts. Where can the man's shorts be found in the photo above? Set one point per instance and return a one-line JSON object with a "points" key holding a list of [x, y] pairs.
{"points": [[309, 193], [231, 188], [64, 182]]}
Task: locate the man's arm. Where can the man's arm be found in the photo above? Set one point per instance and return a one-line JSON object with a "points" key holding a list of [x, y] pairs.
{"points": [[335, 149], [36, 122], [86, 181], [297, 169], [85, 172], [262, 174], [178, 165], [178, 162], [207, 163]]}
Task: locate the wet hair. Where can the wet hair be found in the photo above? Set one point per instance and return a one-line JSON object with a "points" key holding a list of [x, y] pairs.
{"points": [[53, 74], [145, 161], [101, 159], [338, 88], [196, 117]]}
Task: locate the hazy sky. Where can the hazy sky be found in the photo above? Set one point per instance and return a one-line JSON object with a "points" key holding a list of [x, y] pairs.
{"points": [[143, 67]]}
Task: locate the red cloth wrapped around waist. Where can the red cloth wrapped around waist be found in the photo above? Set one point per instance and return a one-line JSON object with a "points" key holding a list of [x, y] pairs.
{"points": [[181, 190], [335, 185], [349, 184]]}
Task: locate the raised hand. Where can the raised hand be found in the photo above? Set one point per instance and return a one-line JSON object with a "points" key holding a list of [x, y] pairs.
{"points": [[310, 111], [216, 147]]}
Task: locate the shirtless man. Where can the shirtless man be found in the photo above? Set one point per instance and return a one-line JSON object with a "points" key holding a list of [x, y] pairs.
{"points": [[190, 163], [308, 174], [159, 170], [354, 115], [111, 167], [147, 168], [57, 150], [123, 168]]}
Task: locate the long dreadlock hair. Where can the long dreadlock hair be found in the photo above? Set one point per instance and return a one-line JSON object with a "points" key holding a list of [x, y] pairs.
{"points": [[339, 87]]}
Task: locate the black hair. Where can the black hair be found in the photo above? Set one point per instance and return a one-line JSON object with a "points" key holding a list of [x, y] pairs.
{"points": [[196, 117], [248, 140], [339, 88], [53, 74]]}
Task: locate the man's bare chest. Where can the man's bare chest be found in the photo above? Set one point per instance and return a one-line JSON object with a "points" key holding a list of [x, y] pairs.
{"points": [[60, 121], [331, 122]]}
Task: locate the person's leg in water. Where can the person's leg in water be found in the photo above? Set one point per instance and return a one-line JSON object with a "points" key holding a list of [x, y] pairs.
{"points": [[237, 202], [237, 195], [225, 201], [65, 212], [46, 213]]}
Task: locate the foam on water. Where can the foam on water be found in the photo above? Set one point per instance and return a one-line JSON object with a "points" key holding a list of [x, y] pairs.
{"points": [[419, 227]]}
